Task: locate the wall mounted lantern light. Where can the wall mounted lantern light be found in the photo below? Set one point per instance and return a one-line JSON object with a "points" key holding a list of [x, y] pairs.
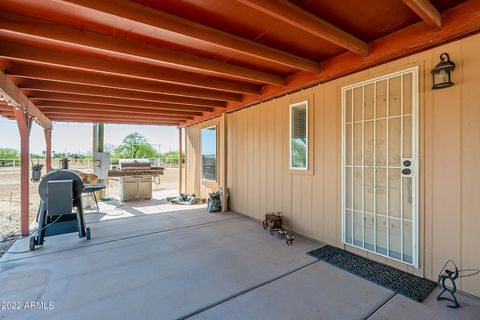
{"points": [[442, 73]]}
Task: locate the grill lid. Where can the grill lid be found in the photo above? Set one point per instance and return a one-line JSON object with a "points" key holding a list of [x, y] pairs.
{"points": [[134, 164]]}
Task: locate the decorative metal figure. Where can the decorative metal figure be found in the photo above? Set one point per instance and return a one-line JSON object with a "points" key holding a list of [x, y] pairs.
{"points": [[450, 276]]}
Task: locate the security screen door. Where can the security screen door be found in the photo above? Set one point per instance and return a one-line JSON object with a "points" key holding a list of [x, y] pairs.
{"points": [[380, 167]]}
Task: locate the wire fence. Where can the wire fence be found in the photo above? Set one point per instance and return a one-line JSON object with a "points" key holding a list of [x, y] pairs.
{"points": [[167, 162]]}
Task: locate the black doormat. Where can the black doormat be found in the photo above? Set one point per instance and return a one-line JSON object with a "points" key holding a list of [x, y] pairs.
{"points": [[401, 282]]}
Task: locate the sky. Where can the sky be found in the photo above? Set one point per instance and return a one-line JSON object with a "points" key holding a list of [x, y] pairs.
{"points": [[77, 137], [209, 141]]}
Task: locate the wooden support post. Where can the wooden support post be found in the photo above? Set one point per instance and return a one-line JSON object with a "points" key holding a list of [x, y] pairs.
{"points": [[24, 124], [48, 149], [185, 175], [180, 160], [224, 160]]}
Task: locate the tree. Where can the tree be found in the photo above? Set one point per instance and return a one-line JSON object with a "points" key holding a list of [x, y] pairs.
{"points": [[135, 146], [7, 154]]}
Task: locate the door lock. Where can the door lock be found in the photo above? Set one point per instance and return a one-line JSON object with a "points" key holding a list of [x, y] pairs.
{"points": [[406, 171], [407, 163]]}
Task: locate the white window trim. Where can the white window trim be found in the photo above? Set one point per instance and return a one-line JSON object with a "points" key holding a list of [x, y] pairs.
{"points": [[306, 168], [216, 154], [415, 153]]}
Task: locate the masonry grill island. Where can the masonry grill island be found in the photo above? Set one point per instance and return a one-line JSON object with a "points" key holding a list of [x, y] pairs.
{"points": [[136, 177]]}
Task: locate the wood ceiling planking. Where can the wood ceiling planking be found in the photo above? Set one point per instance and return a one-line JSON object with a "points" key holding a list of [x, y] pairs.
{"points": [[77, 14], [131, 53], [186, 52], [78, 93], [32, 77], [241, 20]]}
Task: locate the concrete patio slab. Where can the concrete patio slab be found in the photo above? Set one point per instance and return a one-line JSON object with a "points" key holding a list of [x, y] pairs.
{"points": [[105, 231], [191, 264], [162, 275], [400, 308], [319, 291], [115, 209]]}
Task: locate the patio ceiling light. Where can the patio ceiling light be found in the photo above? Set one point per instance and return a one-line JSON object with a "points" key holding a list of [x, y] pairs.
{"points": [[442, 73]]}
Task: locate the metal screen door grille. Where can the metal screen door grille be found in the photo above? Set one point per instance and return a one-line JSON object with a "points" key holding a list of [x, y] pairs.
{"points": [[380, 165]]}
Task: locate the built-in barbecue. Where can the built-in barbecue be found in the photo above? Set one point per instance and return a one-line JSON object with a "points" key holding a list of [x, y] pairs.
{"points": [[136, 177]]}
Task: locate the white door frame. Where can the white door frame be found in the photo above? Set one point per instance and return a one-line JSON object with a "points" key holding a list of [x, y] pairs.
{"points": [[414, 71]]}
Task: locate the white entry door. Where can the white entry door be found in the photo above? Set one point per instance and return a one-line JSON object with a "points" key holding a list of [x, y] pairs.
{"points": [[380, 166]]}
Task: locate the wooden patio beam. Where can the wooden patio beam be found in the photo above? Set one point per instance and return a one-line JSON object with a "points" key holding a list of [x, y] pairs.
{"points": [[62, 97], [130, 18], [114, 111], [111, 120], [28, 54], [133, 116], [10, 91], [134, 52], [303, 20], [32, 75], [425, 10], [114, 117], [81, 93], [459, 21], [7, 112], [166, 108], [106, 101]]}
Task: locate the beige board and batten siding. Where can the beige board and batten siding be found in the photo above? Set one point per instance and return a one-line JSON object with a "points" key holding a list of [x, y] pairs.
{"points": [[449, 138]]}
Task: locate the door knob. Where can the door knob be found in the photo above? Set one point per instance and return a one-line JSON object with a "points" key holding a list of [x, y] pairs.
{"points": [[406, 171], [407, 163]]}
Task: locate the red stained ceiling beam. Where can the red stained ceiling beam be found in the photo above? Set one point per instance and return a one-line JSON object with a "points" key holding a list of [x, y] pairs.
{"points": [[7, 112], [109, 81], [114, 117], [82, 93], [63, 97], [60, 112], [10, 91], [6, 109], [85, 119], [131, 51], [28, 54], [425, 10], [163, 107], [459, 21], [7, 116], [133, 18], [303, 20], [121, 109]]}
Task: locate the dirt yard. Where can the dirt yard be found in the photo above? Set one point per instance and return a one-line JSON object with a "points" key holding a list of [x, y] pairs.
{"points": [[10, 198]]}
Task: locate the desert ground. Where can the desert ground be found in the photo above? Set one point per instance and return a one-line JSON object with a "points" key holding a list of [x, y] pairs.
{"points": [[10, 197]]}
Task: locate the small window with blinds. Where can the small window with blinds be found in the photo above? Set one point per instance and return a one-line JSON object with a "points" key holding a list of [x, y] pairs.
{"points": [[299, 136]]}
